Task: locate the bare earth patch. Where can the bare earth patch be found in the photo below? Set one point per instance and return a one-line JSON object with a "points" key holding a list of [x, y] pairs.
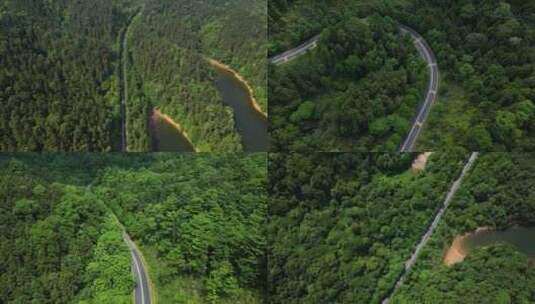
{"points": [[419, 163]]}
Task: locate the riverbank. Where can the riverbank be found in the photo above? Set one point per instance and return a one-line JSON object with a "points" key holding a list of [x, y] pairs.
{"points": [[456, 253], [156, 112], [242, 80]]}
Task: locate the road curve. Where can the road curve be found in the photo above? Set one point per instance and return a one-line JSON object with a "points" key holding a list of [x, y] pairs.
{"points": [[432, 89], [142, 290], [412, 260]]}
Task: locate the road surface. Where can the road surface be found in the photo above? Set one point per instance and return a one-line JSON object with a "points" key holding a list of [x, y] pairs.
{"points": [[295, 52], [124, 99], [412, 260], [432, 89], [142, 290]]}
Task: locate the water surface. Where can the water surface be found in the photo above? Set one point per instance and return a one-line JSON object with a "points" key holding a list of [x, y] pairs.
{"points": [[252, 126], [522, 238], [166, 138]]}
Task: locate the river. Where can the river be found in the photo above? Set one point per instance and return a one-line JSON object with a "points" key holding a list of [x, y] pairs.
{"points": [[166, 137], [252, 125], [522, 238]]}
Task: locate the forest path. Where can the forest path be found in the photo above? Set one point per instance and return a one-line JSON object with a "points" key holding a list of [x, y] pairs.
{"points": [[124, 80], [412, 260], [142, 292], [432, 89]]}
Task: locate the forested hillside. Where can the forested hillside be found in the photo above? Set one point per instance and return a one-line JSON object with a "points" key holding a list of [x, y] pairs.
{"points": [[58, 243], [486, 53], [499, 193], [58, 88], [341, 226], [358, 90], [169, 45], [197, 219], [200, 222]]}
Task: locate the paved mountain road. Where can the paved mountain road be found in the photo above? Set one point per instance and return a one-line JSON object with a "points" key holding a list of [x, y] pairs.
{"points": [[295, 52], [142, 290], [412, 260], [432, 89]]}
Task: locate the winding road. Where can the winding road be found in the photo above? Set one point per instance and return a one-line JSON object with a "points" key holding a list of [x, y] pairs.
{"points": [[432, 89], [425, 238], [142, 290]]}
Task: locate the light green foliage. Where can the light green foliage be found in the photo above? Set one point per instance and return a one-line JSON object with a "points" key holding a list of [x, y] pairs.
{"points": [[110, 271], [221, 282], [199, 220]]}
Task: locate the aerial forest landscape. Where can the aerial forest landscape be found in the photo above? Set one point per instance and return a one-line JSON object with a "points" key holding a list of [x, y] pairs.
{"points": [[391, 228], [402, 75], [133, 75], [191, 228], [267, 151]]}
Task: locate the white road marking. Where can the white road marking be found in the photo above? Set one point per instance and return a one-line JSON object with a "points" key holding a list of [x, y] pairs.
{"points": [[140, 278]]}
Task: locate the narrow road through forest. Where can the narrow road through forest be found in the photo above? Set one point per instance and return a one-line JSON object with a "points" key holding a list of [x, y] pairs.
{"points": [[142, 289], [412, 260], [432, 88], [124, 80], [430, 95]]}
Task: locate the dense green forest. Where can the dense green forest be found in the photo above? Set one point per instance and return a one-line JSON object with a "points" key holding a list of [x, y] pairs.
{"points": [[342, 225], [58, 243], [357, 91], [169, 45], [499, 193], [61, 70], [199, 221], [58, 87], [486, 53]]}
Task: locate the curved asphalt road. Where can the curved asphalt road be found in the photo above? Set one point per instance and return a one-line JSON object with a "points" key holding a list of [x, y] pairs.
{"points": [[412, 260], [432, 89], [142, 289]]}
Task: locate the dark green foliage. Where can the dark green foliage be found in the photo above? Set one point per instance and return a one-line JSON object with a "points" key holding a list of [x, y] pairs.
{"points": [[342, 225], [58, 91], [496, 274], [364, 81], [499, 193], [168, 47], [487, 47]]}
